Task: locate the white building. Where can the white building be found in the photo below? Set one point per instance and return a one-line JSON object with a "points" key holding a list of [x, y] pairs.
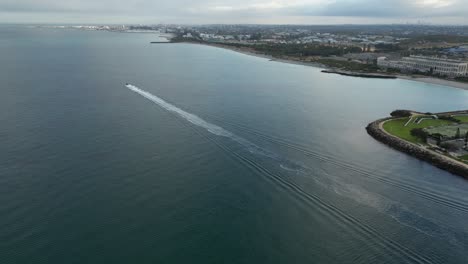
{"points": [[451, 68], [188, 35]]}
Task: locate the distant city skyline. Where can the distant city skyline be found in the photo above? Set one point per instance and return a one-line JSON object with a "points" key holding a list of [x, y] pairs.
{"points": [[451, 12]]}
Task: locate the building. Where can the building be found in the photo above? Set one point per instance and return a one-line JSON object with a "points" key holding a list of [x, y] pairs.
{"points": [[434, 65], [188, 35], [461, 49]]}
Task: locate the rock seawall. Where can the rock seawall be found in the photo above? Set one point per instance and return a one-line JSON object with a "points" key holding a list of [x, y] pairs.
{"points": [[364, 75], [421, 153]]}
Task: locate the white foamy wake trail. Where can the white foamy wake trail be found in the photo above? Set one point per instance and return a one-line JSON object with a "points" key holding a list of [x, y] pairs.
{"points": [[197, 121], [219, 131]]}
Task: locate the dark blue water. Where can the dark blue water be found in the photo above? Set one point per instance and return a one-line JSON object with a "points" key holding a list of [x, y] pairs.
{"points": [[244, 161]]}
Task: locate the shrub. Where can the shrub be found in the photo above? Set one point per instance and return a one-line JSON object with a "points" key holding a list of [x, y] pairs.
{"points": [[420, 133], [449, 118], [438, 137], [400, 113], [462, 79], [450, 146]]}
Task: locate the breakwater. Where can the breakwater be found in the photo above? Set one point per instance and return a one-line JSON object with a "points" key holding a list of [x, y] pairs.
{"points": [[364, 75], [375, 129]]}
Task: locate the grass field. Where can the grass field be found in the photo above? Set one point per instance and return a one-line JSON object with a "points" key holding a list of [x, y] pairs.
{"points": [[463, 119], [397, 127]]}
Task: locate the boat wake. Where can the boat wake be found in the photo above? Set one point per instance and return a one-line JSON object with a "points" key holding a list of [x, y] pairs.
{"points": [[360, 228], [214, 129]]}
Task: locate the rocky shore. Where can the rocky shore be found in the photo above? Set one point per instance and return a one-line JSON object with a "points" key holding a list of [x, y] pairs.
{"points": [[363, 75], [437, 159]]}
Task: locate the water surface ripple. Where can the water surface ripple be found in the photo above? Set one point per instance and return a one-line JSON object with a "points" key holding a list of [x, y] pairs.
{"points": [[212, 157]]}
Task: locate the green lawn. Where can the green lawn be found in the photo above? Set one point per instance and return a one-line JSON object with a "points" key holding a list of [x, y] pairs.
{"points": [[396, 127], [464, 157], [463, 119]]}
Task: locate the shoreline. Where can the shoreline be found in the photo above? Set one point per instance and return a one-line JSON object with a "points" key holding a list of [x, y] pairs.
{"points": [[436, 81], [364, 75], [376, 130], [246, 51], [252, 53]]}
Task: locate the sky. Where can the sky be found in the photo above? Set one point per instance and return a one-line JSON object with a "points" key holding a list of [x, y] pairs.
{"points": [[453, 12]]}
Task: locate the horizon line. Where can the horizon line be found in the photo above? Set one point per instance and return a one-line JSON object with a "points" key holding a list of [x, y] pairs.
{"points": [[238, 24]]}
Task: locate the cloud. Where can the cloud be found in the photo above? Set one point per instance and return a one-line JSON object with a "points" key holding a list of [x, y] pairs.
{"points": [[341, 8], [393, 8], [222, 11]]}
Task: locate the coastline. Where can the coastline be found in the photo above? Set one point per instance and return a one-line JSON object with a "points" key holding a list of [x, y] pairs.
{"points": [[253, 53], [376, 130], [250, 52], [431, 80]]}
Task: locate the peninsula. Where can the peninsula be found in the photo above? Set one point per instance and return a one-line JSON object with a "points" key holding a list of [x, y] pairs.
{"points": [[438, 138]]}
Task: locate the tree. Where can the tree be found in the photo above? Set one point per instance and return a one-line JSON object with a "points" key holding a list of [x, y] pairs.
{"points": [[256, 36], [438, 137], [400, 113], [420, 133], [457, 135], [466, 139], [449, 118]]}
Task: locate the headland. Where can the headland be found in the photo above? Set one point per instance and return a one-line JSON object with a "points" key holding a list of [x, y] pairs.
{"points": [[440, 139]]}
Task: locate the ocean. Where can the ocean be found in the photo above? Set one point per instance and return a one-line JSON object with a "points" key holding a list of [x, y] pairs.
{"points": [[113, 150]]}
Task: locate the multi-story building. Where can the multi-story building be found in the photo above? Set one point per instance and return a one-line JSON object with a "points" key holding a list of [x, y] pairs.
{"points": [[440, 66]]}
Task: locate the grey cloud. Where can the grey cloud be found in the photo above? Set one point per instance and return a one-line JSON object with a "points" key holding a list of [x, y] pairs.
{"points": [[381, 8], [230, 10]]}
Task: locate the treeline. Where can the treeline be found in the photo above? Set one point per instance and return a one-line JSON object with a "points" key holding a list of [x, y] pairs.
{"points": [[297, 50], [437, 38], [348, 65], [388, 47], [178, 39], [303, 50]]}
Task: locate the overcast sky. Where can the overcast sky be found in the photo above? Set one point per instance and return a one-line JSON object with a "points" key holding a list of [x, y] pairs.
{"points": [[235, 11]]}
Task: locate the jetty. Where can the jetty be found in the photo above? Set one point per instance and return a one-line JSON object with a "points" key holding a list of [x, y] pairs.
{"points": [[363, 75]]}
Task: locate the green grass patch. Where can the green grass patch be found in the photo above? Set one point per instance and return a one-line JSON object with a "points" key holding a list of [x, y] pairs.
{"points": [[463, 119], [464, 157], [397, 127]]}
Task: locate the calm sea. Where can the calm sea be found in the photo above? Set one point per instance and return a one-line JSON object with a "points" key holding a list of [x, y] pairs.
{"points": [[209, 156]]}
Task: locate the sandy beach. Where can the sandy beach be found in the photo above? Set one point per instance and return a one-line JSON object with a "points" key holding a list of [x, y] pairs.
{"points": [[437, 81]]}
